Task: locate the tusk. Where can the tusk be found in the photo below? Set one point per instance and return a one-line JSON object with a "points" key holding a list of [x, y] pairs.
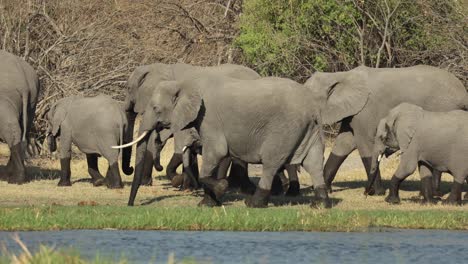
{"points": [[131, 143], [379, 158], [184, 148]]}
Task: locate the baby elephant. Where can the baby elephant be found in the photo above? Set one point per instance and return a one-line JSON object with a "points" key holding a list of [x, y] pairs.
{"points": [[429, 140], [93, 124]]}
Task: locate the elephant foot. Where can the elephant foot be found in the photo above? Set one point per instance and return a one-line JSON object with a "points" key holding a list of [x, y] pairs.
{"points": [[147, 181], [115, 185], [177, 180], [64, 183], [322, 198], [259, 199], [391, 199], [277, 186], [208, 201], [294, 189], [451, 201], [437, 193], [99, 182], [217, 187], [379, 191]]}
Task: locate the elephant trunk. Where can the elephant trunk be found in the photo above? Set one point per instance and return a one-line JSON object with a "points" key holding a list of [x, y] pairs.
{"points": [[139, 167], [128, 137], [157, 155]]}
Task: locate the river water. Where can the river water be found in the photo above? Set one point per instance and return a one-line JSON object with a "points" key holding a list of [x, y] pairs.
{"points": [[389, 246]]}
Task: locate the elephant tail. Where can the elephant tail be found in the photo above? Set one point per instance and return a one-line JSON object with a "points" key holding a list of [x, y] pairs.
{"points": [[126, 152], [25, 115]]}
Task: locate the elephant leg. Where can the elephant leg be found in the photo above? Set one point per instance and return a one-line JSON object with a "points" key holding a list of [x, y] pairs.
{"points": [[93, 169], [294, 186], [466, 194], [213, 188], [377, 188], [344, 145], [65, 158], [262, 195], [436, 179], [313, 164], [455, 197], [277, 184], [221, 172], [147, 169], [175, 161], [400, 175], [66, 172], [426, 174], [190, 179], [239, 178], [114, 181], [15, 167]]}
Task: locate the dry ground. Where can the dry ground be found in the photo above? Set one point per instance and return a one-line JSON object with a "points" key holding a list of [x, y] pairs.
{"points": [[42, 190]]}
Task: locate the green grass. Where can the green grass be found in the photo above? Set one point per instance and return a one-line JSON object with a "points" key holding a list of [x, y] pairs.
{"points": [[231, 219]]}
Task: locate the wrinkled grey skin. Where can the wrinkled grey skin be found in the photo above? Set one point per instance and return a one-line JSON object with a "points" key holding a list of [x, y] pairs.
{"points": [[146, 78], [427, 140], [271, 121], [361, 97], [19, 88], [93, 124]]}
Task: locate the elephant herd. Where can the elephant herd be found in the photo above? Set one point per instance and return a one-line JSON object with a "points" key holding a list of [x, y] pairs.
{"points": [[232, 117]]}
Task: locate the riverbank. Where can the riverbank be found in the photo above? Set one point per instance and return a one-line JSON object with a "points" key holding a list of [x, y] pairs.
{"points": [[41, 205], [301, 218]]}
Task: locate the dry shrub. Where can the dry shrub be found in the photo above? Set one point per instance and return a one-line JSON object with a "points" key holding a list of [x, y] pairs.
{"points": [[88, 47]]}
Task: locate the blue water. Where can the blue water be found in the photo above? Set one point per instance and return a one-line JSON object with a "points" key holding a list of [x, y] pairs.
{"points": [[391, 246]]}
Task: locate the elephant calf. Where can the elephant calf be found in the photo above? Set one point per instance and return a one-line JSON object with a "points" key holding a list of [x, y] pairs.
{"points": [[429, 140], [93, 124]]}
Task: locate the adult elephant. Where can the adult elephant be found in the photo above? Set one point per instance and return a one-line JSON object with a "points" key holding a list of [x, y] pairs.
{"points": [[19, 88], [141, 84], [361, 97], [271, 121]]}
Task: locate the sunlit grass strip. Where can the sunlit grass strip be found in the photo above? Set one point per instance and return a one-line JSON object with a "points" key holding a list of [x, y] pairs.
{"points": [[230, 219]]}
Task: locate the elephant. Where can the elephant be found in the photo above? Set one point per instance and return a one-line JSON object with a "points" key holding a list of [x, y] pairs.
{"points": [[93, 124], [141, 84], [359, 98], [270, 121], [411, 129], [19, 89], [144, 80]]}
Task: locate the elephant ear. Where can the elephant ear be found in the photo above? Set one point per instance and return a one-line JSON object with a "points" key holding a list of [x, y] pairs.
{"points": [[187, 105], [59, 112], [342, 94], [403, 120], [165, 134], [140, 91]]}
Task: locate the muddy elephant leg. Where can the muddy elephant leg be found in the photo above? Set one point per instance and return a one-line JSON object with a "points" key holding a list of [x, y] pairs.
{"points": [[93, 169], [294, 186], [343, 146], [455, 197], [65, 158], [113, 179], [239, 178], [426, 174], [15, 168], [176, 161]]}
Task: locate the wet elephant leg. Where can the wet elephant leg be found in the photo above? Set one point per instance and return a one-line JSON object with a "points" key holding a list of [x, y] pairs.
{"points": [[294, 186], [426, 174], [343, 146], [93, 169], [436, 178]]}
